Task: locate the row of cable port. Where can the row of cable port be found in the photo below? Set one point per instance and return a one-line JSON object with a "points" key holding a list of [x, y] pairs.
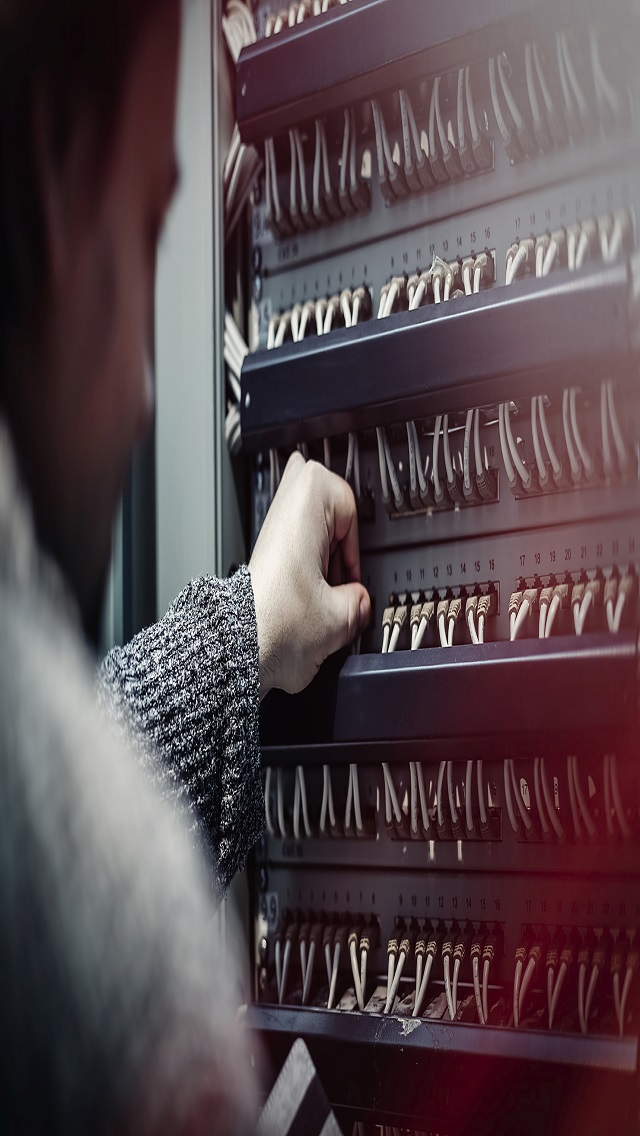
{"points": [[569, 460], [327, 199], [553, 806], [319, 317], [450, 801], [560, 978], [560, 807], [564, 977], [585, 444], [597, 238], [565, 605], [540, 460], [439, 131], [435, 618], [605, 237], [563, 801], [444, 280], [353, 819], [600, 603], [306, 946], [297, 13]]}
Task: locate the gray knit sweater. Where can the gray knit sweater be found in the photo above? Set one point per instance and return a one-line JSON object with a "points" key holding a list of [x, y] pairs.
{"points": [[188, 689], [117, 1002]]}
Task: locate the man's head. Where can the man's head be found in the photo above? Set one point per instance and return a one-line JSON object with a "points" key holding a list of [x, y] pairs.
{"points": [[87, 170]]}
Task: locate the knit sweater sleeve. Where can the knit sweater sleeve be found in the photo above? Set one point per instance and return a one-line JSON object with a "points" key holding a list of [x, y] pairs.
{"points": [[188, 687]]}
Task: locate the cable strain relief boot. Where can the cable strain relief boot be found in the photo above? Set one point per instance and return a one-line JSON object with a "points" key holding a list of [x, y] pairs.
{"points": [[444, 829], [441, 497], [437, 166], [402, 828], [398, 183], [527, 141], [482, 151], [455, 489], [458, 829], [471, 492], [361, 196], [487, 483], [424, 172], [532, 486], [331, 205], [467, 161], [485, 829], [451, 161], [557, 128], [346, 204], [563, 478], [412, 177], [542, 134], [306, 212], [416, 501]]}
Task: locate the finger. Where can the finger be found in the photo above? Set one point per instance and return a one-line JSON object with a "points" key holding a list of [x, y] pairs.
{"points": [[347, 612], [342, 521], [295, 464]]}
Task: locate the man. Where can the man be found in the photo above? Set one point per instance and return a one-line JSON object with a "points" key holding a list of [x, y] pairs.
{"points": [[116, 1012]]}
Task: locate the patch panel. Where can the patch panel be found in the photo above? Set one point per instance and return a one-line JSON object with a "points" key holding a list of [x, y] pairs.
{"points": [[443, 296], [534, 973]]}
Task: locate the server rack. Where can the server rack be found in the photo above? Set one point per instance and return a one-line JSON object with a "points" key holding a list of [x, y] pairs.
{"points": [[453, 808]]}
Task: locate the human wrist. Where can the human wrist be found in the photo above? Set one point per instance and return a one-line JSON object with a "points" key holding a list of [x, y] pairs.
{"points": [[268, 655]]}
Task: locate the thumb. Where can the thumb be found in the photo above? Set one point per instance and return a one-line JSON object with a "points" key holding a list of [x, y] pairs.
{"points": [[347, 613]]}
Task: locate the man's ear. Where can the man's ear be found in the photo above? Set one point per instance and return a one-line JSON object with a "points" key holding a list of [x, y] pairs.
{"points": [[64, 176]]}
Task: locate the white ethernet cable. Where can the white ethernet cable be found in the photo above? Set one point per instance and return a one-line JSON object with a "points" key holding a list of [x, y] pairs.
{"points": [[506, 454], [573, 802], [353, 799], [556, 465], [468, 797], [385, 462], [581, 102], [581, 800], [300, 798], [585, 456], [537, 447], [522, 808], [267, 802], [327, 801], [549, 802], [451, 794], [392, 805], [442, 768], [605, 92], [617, 799], [481, 797], [514, 265], [280, 803], [523, 472], [618, 438], [507, 796], [566, 422], [357, 985], [386, 165], [537, 785]]}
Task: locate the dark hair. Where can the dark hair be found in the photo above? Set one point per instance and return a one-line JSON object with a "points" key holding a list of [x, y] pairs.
{"points": [[75, 55]]}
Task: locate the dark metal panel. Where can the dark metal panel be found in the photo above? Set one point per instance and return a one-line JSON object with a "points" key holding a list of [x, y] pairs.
{"points": [[509, 699], [476, 689], [363, 49], [441, 358], [592, 1052]]}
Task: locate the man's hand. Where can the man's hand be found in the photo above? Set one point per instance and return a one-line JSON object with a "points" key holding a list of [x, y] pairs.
{"points": [[305, 571]]}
